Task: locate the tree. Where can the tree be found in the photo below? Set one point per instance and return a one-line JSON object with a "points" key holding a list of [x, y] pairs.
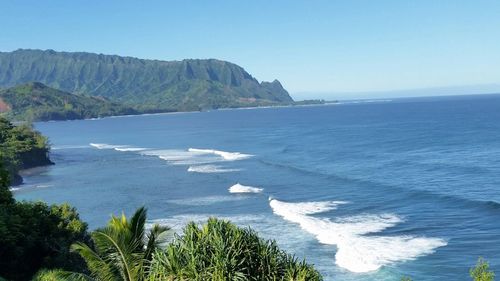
{"points": [[21, 147], [5, 194], [220, 250], [121, 251], [35, 235], [481, 271]]}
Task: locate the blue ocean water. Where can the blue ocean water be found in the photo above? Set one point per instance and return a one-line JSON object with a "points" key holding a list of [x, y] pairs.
{"points": [[365, 190]]}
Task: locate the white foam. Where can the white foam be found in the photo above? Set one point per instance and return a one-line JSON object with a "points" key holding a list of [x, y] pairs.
{"points": [[209, 169], [132, 149], [14, 189], [228, 156], [239, 188], [190, 157], [122, 148], [286, 209], [182, 157], [364, 254], [356, 253], [106, 146]]}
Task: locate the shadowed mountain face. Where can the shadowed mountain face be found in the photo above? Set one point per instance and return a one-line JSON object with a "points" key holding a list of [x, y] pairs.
{"points": [[145, 84]]}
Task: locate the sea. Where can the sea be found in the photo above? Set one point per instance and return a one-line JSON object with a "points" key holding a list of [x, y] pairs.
{"points": [[364, 190]]}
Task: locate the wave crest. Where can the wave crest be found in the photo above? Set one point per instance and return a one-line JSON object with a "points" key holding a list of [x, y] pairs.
{"points": [[209, 169], [239, 188], [228, 156], [122, 148], [356, 253]]}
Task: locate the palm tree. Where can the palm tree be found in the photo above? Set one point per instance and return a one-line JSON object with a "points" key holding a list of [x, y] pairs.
{"points": [[121, 252]]}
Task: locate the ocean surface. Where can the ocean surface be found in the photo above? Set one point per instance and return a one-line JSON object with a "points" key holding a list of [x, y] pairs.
{"points": [[371, 190]]}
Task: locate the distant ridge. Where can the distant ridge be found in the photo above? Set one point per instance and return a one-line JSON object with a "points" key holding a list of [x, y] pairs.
{"points": [[148, 85], [35, 101]]}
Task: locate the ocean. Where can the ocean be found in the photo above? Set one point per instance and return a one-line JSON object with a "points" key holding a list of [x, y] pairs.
{"points": [[367, 190]]}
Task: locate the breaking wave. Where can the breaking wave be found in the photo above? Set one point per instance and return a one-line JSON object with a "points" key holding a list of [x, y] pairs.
{"points": [[197, 159], [123, 148], [106, 146], [132, 149], [239, 188], [209, 169], [228, 156], [181, 157], [356, 253]]}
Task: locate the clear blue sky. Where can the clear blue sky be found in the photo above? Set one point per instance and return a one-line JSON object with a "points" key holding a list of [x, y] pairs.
{"points": [[310, 46]]}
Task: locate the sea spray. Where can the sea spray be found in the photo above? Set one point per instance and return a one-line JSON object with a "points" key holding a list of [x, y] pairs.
{"points": [[210, 169], [239, 188], [356, 253], [228, 156]]}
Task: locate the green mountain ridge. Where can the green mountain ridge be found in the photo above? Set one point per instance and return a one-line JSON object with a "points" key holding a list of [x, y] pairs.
{"points": [[37, 102], [147, 85]]}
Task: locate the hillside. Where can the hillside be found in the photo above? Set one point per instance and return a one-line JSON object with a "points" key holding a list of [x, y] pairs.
{"points": [[38, 102], [21, 147], [148, 85]]}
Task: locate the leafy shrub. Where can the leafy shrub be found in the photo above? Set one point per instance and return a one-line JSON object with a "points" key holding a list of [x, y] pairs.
{"points": [[481, 271], [219, 250]]}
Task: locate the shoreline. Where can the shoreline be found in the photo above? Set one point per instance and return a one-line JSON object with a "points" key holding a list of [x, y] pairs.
{"points": [[194, 111], [18, 179]]}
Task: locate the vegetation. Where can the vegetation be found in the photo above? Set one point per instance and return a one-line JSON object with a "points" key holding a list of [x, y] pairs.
{"points": [[21, 148], [123, 250], [35, 235], [481, 271], [147, 85], [219, 250], [38, 102]]}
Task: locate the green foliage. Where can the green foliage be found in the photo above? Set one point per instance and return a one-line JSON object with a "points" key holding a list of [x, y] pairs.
{"points": [[35, 235], [481, 271], [37, 102], [219, 250], [148, 85], [122, 250], [59, 275], [5, 194], [21, 148]]}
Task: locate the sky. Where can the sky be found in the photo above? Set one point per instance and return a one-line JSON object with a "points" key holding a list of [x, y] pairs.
{"points": [[316, 48]]}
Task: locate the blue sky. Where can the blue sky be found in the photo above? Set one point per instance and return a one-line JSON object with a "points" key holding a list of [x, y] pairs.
{"points": [[314, 48]]}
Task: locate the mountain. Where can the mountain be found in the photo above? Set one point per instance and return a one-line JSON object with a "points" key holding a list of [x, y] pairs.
{"points": [[148, 85], [35, 101]]}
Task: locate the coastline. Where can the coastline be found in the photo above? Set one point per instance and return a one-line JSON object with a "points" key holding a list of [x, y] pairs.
{"points": [[197, 111]]}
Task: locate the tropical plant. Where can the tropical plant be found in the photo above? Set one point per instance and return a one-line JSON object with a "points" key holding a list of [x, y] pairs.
{"points": [[121, 251], [219, 250], [481, 271], [35, 235]]}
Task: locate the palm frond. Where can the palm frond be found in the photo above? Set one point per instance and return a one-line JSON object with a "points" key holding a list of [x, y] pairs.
{"points": [[61, 275]]}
